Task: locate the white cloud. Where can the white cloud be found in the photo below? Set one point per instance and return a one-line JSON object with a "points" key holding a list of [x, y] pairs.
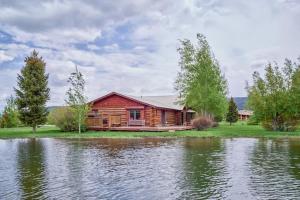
{"points": [[138, 55], [4, 57]]}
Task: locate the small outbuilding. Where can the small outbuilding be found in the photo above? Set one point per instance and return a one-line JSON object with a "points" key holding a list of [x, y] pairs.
{"points": [[245, 114]]}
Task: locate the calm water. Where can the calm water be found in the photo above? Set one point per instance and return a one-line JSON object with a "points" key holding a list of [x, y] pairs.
{"points": [[150, 169]]}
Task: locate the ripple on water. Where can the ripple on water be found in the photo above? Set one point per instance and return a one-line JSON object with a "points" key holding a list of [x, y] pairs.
{"points": [[150, 168]]}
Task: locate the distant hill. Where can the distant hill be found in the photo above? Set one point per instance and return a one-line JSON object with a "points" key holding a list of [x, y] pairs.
{"points": [[50, 108], [240, 102]]}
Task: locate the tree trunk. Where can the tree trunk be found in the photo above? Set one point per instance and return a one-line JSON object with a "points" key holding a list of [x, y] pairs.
{"points": [[34, 129], [275, 125], [79, 124]]}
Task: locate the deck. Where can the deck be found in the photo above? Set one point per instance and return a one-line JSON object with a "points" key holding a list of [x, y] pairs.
{"points": [[142, 128]]}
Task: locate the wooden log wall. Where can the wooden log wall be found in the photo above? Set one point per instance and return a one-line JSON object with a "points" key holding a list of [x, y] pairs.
{"points": [[106, 112], [170, 118]]}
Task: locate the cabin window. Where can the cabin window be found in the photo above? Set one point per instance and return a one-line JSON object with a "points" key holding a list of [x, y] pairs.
{"points": [[135, 114], [105, 121], [93, 113]]}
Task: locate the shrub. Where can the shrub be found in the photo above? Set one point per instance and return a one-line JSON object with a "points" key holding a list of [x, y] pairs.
{"points": [[9, 120], [10, 115], [218, 118], [290, 125], [202, 123], [64, 119], [252, 120]]}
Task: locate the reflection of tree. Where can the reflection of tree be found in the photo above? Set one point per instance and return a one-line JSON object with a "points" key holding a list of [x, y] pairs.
{"points": [[31, 168], [75, 169], [204, 161], [101, 165], [113, 146], [272, 167], [294, 158]]}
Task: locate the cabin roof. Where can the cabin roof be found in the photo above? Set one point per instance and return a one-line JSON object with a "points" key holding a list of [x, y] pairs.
{"points": [[245, 112], [167, 101]]}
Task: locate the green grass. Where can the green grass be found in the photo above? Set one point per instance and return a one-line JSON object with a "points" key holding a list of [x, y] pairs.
{"points": [[240, 129]]}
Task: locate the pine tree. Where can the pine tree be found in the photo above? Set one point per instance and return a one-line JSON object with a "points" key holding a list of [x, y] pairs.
{"points": [[33, 92], [232, 115], [76, 98]]}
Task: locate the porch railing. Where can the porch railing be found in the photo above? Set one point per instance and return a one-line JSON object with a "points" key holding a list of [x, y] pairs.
{"points": [[139, 122]]}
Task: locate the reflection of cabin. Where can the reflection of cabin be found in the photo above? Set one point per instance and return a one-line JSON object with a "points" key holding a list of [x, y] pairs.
{"points": [[117, 110], [245, 114]]}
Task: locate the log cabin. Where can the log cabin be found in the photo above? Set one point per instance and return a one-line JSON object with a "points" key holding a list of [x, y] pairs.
{"points": [[116, 111]]}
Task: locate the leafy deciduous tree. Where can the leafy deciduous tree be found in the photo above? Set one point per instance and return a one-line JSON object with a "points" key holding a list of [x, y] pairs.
{"points": [[275, 98], [200, 82], [76, 98], [10, 114]]}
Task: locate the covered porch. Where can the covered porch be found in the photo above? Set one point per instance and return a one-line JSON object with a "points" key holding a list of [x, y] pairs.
{"points": [[139, 119]]}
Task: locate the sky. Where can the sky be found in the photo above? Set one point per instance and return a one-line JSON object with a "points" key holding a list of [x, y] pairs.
{"points": [[130, 46]]}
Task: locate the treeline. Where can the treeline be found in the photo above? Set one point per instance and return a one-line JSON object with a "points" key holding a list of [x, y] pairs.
{"points": [[275, 99]]}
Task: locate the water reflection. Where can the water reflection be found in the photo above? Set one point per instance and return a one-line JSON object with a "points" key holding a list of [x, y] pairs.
{"points": [[31, 168], [294, 158], [271, 167], [150, 168], [203, 166]]}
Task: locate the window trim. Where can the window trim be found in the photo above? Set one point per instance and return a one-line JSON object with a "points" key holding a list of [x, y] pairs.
{"points": [[135, 111]]}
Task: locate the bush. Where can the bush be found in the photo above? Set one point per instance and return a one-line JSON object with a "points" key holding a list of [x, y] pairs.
{"points": [[202, 123], [9, 120], [218, 118], [83, 128], [289, 125], [252, 120], [10, 115], [64, 119]]}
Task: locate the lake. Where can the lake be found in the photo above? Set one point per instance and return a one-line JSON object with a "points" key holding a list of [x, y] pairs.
{"points": [[150, 168]]}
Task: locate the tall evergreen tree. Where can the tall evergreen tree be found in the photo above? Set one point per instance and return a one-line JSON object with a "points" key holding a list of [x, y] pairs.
{"points": [[232, 114], [76, 98], [33, 92], [200, 82]]}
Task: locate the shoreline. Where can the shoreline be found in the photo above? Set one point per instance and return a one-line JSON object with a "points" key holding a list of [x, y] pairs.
{"points": [[239, 130]]}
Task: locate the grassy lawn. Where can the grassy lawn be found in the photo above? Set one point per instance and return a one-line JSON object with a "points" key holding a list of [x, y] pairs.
{"points": [[240, 129]]}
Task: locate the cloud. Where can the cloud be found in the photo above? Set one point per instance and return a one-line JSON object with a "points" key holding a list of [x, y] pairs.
{"points": [[130, 46], [4, 57]]}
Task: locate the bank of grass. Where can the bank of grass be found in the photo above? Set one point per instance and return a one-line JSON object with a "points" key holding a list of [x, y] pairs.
{"points": [[240, 129]]}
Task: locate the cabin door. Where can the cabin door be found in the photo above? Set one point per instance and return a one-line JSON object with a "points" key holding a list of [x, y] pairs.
{"points": [[163, 117], [114, 120]]}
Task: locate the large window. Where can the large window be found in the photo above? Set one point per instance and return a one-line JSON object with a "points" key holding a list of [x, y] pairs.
{"points": [[135, 114]]}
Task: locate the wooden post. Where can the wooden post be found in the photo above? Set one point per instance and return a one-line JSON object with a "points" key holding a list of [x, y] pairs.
{"points": [[184, 117], [109, 121]]}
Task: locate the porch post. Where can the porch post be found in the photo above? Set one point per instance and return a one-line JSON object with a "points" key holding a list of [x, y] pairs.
{"points": [[184, 117]]}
